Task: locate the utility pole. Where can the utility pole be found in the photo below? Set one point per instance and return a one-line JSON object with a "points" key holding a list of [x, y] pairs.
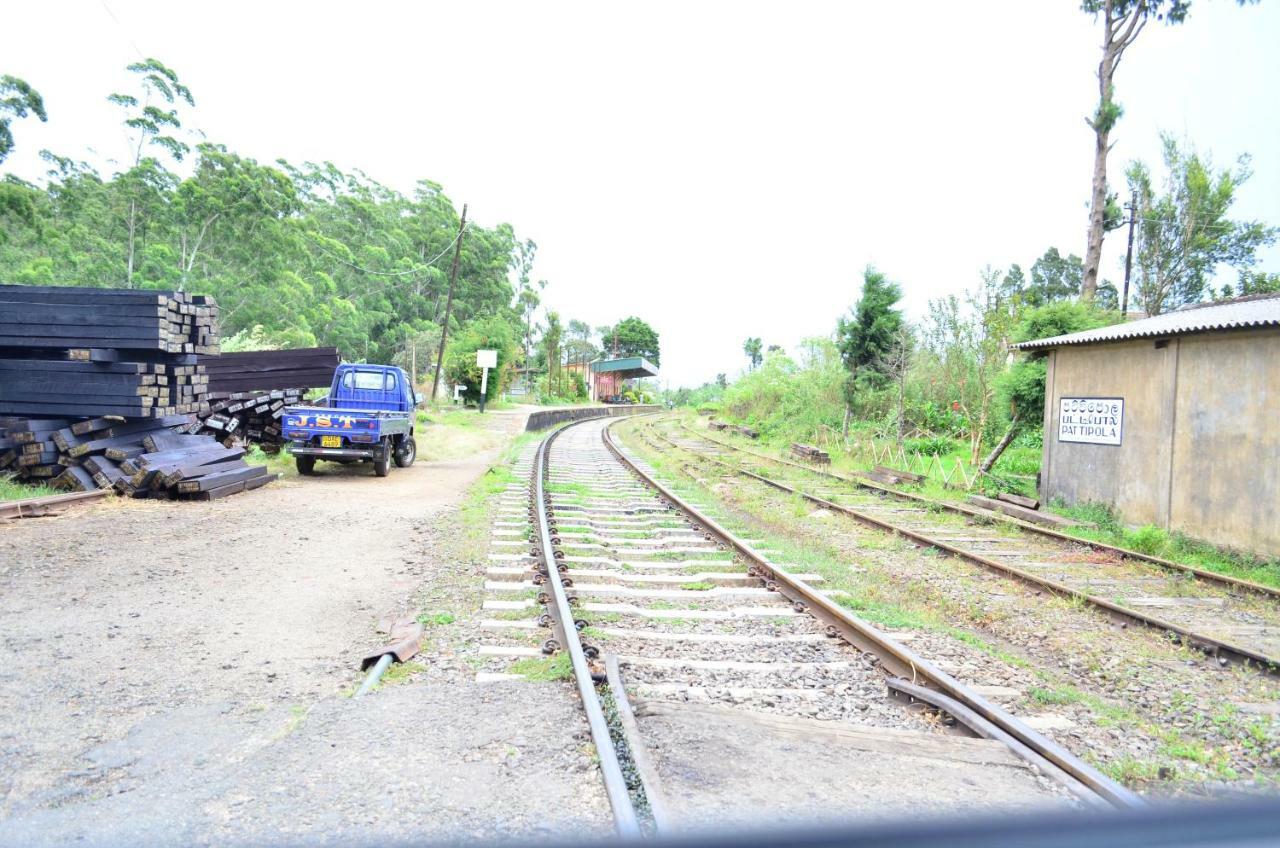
{"points": [[1128, 256], [448, 304]]}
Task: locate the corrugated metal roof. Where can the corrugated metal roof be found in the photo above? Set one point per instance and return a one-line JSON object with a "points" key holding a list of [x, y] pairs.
{"points": [[628, 367], [1261, 310]]}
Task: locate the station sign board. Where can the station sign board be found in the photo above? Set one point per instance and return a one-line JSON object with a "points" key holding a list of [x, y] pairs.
{"points": [[1091, 420]]}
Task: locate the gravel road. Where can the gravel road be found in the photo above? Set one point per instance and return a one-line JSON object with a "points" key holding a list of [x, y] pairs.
{"points": [[180, 651]]}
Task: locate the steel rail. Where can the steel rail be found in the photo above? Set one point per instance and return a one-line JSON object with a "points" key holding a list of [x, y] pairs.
{"points": [[624, 814], [894, 657], [19, 509], [1026, 526], [1208, 644]]}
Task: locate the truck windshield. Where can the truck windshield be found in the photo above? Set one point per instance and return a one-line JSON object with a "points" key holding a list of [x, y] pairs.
{"points": [[369, 380]]}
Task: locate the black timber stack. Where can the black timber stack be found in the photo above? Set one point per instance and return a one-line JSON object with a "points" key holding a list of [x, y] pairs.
{"points": [[103, 352], [265, 370], [99, 388]]}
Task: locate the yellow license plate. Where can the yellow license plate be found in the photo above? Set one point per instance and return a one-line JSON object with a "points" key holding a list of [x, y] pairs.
{"points": [[330, 441]]}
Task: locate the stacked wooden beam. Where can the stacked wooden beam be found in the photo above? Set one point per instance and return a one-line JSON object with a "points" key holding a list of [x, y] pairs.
{"points": [[143, 459], [810, 453], [306, 368], [252, 417], [79, 352]]}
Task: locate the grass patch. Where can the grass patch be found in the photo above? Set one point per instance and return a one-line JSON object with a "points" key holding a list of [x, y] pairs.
{"points": [[11, 490], [698, 586], [1131, 770], [436, 619], [1154, 541], [558, 667], [1055, 696], [277, 463], [400, 672]]}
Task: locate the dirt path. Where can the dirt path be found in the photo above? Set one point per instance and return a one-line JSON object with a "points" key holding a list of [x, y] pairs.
{"points": [[126, 611]]}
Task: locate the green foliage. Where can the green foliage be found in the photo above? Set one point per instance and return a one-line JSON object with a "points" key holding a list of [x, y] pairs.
{"points": [[558, 667], [1021, 388], [868, 337], [752, 348], [309, 254], [631, 337], [491, 333], [931, 446], [17, 100], [782, 397], [1183, 232], [1148, 539], [1250, 282]]}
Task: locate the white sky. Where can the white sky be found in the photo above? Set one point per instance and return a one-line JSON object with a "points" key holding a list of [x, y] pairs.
{"points": [[722, 170]]}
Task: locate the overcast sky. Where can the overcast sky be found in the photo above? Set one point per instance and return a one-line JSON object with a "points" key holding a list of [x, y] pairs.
{"points": [[722, 170]]}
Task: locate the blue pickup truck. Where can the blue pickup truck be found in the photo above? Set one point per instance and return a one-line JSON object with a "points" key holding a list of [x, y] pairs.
{"points": [[368, 416]]}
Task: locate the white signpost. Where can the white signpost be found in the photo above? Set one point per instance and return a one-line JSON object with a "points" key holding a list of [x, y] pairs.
{"points": [[485, 359], [1093, 421]]}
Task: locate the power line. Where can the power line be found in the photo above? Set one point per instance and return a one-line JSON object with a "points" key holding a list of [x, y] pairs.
{"points": [[127, 37]]}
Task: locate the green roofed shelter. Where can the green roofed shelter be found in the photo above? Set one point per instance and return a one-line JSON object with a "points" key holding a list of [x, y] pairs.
{"points": [[607, 375]]}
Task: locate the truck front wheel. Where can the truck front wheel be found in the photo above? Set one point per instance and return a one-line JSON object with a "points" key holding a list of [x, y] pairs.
{"points": [[406, 452], [306, 464]]}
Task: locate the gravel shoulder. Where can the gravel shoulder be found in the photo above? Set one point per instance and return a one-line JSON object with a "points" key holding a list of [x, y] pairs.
{"points": [[188, 652]]}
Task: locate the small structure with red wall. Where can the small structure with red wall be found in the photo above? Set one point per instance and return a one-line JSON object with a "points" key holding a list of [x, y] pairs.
{"points": [[609, 376]]}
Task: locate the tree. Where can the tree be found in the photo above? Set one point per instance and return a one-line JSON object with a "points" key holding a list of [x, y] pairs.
{"points": [[722, 381], [527, 297], [632, 337], [968, 342], [1122, 23], [1183, 233], [1251, 282], [153, 127], [866, 338], [896, 365], [1022, 387], [578, 347], [17, 100], [1055, 277], [551, 344], [751, 347]]}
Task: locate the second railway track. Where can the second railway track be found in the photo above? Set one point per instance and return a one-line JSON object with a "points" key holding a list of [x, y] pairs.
{"points": [[1229, 618], [641, 587]]}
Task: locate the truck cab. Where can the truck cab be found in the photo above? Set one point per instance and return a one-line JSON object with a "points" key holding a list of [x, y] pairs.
{"points": [[368, 416]]}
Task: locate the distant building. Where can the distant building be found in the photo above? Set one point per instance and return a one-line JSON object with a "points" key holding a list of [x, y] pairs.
{"points": [[1173, 420], [608, 376]]}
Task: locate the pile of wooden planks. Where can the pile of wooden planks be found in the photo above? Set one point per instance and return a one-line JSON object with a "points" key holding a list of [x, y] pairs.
{"points": [[143, 459], [810, 453], [247, 416], [80, 352], [1027, 509], [306, 368]]}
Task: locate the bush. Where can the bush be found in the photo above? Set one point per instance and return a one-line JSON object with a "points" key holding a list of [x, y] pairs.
{"points": [[1149, 540], [933, 446], [492, 333], [784, 399]]}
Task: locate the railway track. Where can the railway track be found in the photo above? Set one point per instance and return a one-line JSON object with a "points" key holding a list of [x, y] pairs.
{"points": [[1231, 619], [601, 562]]}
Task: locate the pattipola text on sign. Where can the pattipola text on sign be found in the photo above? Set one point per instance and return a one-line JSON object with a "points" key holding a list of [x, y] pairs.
{"points": [[1094, 421]]}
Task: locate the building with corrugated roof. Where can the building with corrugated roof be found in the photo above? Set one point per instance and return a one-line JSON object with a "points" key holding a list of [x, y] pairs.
{"points": [[1172, 420]]}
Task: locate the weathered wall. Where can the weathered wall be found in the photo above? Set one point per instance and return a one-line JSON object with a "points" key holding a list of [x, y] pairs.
{"points": [[1226, 445], [1133, 476], [1201, 435], [547, 417]]}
